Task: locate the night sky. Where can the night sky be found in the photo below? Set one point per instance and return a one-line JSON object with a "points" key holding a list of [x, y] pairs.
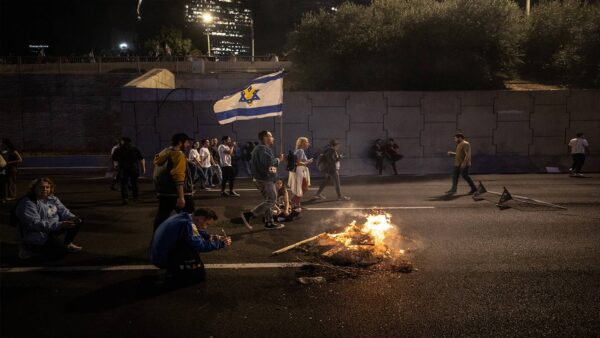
{"points": [[77, 26]]}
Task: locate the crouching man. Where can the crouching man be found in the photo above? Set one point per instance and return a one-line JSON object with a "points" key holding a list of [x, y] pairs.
{"points": [[178, 242]]}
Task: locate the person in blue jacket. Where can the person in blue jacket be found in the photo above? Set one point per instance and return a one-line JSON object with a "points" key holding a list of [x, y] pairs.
{"points": [[42, 218], [179, 240]]}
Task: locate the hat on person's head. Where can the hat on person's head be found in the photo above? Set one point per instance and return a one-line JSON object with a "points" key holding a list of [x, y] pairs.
{"points": [[333, 143]]}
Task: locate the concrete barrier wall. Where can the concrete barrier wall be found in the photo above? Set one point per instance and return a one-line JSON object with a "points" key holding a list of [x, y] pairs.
{"points": [[510, 131], [78, 114]]}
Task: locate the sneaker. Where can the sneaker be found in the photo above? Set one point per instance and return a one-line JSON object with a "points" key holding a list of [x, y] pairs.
{"points": [[274, 226], [472, 192], [319, 197], [579, 175], [246, 217], [224, 194], [343, 198], [234, 194], [450, 192], [73, 248], [26, 254]]}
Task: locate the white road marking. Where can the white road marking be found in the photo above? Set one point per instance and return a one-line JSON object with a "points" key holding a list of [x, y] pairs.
{"points": [[369, 208], [241, 189], [145, 267]]}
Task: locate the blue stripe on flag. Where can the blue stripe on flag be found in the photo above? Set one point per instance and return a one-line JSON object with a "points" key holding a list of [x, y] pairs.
{"points": [[249, 111], [267, 79]]}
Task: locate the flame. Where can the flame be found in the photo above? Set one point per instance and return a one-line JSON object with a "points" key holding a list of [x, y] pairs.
{"points": [[373, 232]]}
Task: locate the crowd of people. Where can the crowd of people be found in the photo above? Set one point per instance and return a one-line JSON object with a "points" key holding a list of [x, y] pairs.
{"points": [[179, 228]]}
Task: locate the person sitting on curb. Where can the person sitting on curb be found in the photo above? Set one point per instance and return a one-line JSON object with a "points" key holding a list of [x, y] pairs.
{"points": [[283, 211], [41, 219], [178, 242]]}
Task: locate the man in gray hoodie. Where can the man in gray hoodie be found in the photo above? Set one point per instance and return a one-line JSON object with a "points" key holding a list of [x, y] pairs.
{"points": [[264, 170]]}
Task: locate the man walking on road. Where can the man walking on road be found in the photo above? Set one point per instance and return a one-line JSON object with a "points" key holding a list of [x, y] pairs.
{"points": [[129, 161], [578, 148], [172, 179], [462, 162], [264, 170]]}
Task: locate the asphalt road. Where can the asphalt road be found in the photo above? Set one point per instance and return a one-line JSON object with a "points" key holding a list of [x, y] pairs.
{"points": [[523, 271]]}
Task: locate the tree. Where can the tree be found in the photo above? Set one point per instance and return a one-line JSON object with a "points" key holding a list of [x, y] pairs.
{"points": [[169, 38], [408, 44], [563, 43]]}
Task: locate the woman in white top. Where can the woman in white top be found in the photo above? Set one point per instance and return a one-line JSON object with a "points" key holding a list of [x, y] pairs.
{"points": [[299, 180]]}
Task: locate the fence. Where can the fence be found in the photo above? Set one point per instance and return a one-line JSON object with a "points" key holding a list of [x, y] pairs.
{"points": [[136, 64]]}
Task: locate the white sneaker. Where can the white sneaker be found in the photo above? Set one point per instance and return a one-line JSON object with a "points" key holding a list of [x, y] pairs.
{"points": [[320, 197], [73, 248]]}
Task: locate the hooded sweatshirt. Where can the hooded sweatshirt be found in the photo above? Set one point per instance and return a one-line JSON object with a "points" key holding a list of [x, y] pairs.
{"points": [[170, 171], [179, 230]]}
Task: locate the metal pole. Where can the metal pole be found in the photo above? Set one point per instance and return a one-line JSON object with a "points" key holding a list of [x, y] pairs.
{"points": [[252, 35], [208, 41], [528, 7]]}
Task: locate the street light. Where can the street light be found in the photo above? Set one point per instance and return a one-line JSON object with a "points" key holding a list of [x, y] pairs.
{"points": [[123, 45], [207, 18]]}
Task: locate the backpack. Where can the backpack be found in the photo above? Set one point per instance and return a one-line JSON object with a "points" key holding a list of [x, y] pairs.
{"points": [[291, 161]]}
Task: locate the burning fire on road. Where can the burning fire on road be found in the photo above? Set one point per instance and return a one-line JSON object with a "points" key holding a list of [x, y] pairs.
{"points": [[369, 246]]}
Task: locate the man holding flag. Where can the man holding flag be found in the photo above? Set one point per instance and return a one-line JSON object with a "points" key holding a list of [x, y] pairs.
{"points": [[261, 98]]}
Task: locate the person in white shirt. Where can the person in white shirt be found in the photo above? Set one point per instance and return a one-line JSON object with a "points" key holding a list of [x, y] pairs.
{"points": [[205, 164], [226, 150], [578, 148], [194, 159], [299, 179]]}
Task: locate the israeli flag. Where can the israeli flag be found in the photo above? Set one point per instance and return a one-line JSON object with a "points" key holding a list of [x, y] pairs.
{"points": [[263, 97]]}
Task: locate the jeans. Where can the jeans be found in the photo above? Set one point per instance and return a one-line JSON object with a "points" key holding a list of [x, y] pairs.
{"points": [[167, 204], [269, 193], [228, 176], [206, 176], [216, 169], [129, 177], [578, 161], [54, 247], [464, 172], [331, 176]]}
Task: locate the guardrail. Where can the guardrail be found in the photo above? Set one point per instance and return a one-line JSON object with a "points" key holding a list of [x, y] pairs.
{"points": [[136, 64]]}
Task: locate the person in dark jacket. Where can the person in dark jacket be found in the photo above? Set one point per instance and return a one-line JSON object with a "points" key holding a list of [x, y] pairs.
{"points": [[392, 154], [130, 163], [377, 153], [173, 180], [179, 240], [264, 170], [329, 164]]}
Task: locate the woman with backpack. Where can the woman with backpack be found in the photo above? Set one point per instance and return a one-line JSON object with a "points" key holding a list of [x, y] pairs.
{"points": [[299, 177]]}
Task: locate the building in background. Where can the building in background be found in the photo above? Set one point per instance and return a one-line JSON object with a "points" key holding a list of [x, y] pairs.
{"points": [[231, 27]]}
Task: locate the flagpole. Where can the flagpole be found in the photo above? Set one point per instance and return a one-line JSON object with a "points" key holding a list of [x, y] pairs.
{"points": [[281, 133]]}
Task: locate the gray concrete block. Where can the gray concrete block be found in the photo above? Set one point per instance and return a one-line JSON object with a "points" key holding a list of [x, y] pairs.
{"points": [[513, 106], [366, 107], [549, 121], [145, 112], [402, 122], [410, 147], [329, 122], [437, 138], [584, 105], [248, 130], [482, 146], [550, 97], [545, 146], [291, 131], [440, 106], [477, 98], [404, 98], [360, 137], [513, 138], [214, 130], [128, 114], [328, 99], [296, 107], [477, 121]]}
